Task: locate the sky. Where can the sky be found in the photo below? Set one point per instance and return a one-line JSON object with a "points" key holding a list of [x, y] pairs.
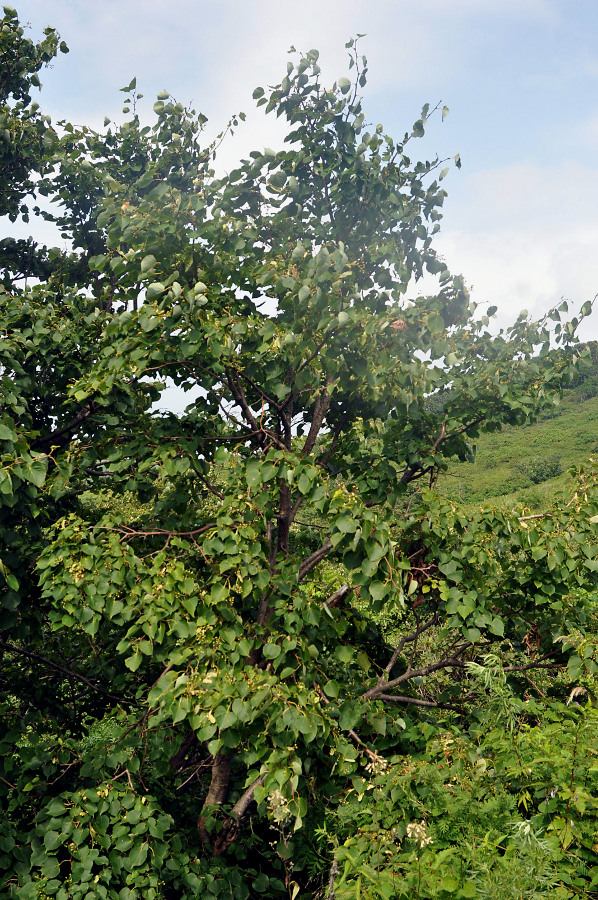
{"points": [[520, 78]]}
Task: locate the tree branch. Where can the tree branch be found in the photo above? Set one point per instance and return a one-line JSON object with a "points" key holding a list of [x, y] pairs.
{"points": [[335, 439], [538, 664], [239, 395], [408, 639], [415, 701], [70, 674], [230, 827], [61, 436], [321, 408], [338, 596], [259, 390], [132, 533], [312, 561], [451, 662]]}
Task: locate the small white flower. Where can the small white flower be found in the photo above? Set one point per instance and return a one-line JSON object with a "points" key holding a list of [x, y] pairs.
{"points": [[417, 832], [278, 807], [377, 764]]}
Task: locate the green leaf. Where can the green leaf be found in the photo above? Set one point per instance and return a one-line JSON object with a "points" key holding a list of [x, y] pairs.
{"points": [[350, 716], [304, 483], [363, 661], [377, 590], [6, 433], [55, 808], [261, 883], [138, 854], [497, 626], [148, 263], [346, 525], [378, 723], [344, 654], [228, 720], [449, 569], [332, 688], [574, 667], [50, 867], [154, 290], [52, 840], [133, 662], [472, 634], [35, 471], [435, 323], [253, 472]]}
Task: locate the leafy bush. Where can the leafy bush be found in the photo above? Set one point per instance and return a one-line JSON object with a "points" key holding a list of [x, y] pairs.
{"points": [[508, 812], [540, 468]]}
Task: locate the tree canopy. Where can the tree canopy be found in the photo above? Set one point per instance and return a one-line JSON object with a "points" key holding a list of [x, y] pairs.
{"points": [[238, 641]]}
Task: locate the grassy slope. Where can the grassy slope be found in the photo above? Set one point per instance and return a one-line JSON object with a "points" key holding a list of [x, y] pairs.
{"points": [[570, 432]]}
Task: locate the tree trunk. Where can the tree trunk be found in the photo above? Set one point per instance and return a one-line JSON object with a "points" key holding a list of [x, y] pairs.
{"points": [[217, 792]]}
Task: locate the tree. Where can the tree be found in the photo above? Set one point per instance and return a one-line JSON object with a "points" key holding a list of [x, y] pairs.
{"points": [[26, 135], [190, 600]]}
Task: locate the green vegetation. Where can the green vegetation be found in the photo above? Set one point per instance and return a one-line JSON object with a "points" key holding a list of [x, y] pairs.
{"points": [[249, 650], [529, 465]]}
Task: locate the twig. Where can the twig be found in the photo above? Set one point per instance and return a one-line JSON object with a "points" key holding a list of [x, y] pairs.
{"points": [[120, 775], [351, 731], [415, 701], [310, 524], [54, 665], [449, 662], [131, 532], [408, 639], [194, 774]]}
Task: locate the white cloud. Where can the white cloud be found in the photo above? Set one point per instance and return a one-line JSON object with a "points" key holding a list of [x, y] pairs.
{"points": [[526, 236], [558, 196], [217, 50]]}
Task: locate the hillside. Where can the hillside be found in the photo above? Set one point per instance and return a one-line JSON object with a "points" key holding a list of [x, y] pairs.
{"points": [[529, 464]]}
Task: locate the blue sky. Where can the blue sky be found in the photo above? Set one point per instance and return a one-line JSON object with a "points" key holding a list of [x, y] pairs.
{"points": [[520, 78]]}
